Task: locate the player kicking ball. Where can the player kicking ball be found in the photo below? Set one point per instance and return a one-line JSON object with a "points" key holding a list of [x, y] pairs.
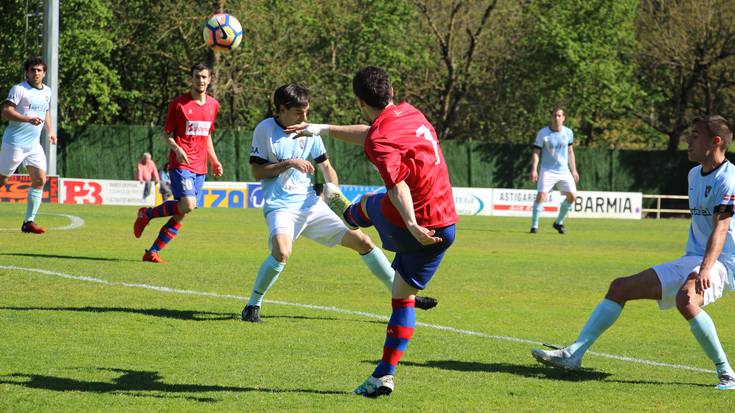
{"points": [[281, 162], [415, 218], [692, 281]]}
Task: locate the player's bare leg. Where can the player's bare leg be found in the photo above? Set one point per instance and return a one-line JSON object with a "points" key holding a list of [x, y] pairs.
{"points": [[689, 302], [644, 285], [378, 264], [399, 332], [563, 210], [538, 206], [268, 273], [171, 228], [35, 196]]}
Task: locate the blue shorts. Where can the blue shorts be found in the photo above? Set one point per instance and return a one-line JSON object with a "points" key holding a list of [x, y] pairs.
{"points": [[415, 263], [185, 183]]}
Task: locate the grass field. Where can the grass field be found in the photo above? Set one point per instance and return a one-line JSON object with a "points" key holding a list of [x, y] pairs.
{"points": [[83, 328]]}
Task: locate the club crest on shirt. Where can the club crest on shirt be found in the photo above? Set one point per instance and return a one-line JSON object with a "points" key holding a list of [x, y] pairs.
{"points": [[707, 190], [302, 142]]}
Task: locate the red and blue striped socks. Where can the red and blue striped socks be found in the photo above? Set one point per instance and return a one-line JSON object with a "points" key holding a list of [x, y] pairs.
{"points": [[400, 330], [167, 233], [166, 209], [356, 216]]}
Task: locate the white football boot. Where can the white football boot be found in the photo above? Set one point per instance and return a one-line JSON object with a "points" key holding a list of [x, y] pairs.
{"points": [[727, 382], [557, 358], [374, 386]]}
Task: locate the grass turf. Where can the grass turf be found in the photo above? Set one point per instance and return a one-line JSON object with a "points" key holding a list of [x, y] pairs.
{"points": [[71, 344]]}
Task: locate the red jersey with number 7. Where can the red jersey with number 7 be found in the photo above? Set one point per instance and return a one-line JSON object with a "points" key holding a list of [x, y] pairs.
{"points": [[402, 144], [191, 124]]}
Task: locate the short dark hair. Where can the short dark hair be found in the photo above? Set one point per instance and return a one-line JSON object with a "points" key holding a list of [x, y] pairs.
{"points": [[372, 85], [199, 67], [556, 109], [291, 95], [34, 61], [716, 126]]}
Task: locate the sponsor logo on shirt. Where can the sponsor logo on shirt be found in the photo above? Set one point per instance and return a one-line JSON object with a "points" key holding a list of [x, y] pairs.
{"points": [[198, 128], [703, 212]]}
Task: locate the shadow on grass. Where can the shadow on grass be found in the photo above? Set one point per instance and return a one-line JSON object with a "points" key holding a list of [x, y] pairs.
{"points": [[136, 383], [69, 257], [301, 317], [187, 315], [536, 371]]}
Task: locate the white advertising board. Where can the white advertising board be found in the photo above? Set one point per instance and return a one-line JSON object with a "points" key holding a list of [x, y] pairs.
{"points": [[589, 204], [104, 192], [592, 204], [473, 201], [518, 203]]}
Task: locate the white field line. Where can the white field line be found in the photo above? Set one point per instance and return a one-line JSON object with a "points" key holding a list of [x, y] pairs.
{"points": [[74, 222], [343, 311]]}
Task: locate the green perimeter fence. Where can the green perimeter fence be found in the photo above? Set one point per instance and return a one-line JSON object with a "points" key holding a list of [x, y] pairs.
{"points": [[111, 152]]}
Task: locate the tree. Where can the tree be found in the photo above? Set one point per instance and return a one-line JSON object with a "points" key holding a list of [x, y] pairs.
{"points": [[685, 55], [458, 35]]}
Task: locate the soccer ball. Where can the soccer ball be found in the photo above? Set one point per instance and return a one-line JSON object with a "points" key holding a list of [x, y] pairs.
{"points": [[222, 32]]}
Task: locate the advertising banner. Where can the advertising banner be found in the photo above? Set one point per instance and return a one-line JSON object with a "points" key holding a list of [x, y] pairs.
{"points": [[354, 192], [225, 195], [589, 204], [105, 192], [623, 205], [473, 201], [518, 203], [255, 196], [16, 190]]}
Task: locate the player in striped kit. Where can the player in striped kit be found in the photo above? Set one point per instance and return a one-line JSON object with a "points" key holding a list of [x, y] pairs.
{"points": [[415, 217]]}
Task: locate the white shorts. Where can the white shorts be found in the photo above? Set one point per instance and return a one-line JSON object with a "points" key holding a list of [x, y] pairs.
{"points": [[318, 223], [674, 274], [12, 156], [547, 180]]}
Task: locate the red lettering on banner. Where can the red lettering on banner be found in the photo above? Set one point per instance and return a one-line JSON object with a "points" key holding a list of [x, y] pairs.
{"points": [[523, 208], [79, 192]]}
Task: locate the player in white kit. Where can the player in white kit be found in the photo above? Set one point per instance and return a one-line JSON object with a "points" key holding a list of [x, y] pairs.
{"points": [[692, 281], [553, 145], [281, 162], [27, 110]]}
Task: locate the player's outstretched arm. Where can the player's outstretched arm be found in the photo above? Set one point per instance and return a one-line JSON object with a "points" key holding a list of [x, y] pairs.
{"points": [[354, 134], [400, 196], [714, 247]]}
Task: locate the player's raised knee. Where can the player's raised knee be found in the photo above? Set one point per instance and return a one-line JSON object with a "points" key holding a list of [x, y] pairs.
{"points": [[187, 204], [618, 290]]}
